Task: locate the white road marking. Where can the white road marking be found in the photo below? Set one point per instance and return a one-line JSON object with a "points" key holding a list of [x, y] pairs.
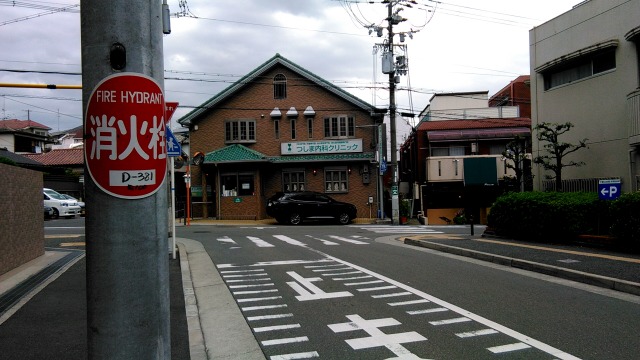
{"points": [[248, 280], [259, 242], [249, 286], [253, 308], [226, 239], [289, 240], [477, 333], [243, 275], [307, 355], [357, 242], [241, 271], [427, 311], [383, 229], [307, 291], [343, 273], [390, 295], [268, 317], [353, 277], [508, 348], [364, 283], [254, 292], [376, 337], [377, 288], [332, 269], [410, 302], [322, 266], [324, 241], [259, 299], [276, 327], [275, 263], [559, 354], [450, 321], [284, 341]]}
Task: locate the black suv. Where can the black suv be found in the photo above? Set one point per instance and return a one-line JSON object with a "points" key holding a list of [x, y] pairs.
{"points": [[294, 207]]}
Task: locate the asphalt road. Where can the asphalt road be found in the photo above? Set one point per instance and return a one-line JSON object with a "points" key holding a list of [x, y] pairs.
{"points": [[353, 292]]}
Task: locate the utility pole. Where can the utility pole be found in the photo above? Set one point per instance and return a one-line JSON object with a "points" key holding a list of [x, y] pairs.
{"points": [[126, 220], [395, 216]]}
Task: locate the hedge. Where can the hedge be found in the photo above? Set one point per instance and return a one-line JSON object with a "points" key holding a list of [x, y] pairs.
{"points": [[544, 216], [625, 223]]}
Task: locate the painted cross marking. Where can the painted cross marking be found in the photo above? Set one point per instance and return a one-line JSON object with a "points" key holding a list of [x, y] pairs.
{"points": [[377, 337], [308, 291]]}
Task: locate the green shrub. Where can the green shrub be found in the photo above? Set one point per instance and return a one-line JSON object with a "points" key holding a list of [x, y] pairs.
{"points": [[625, 220], [547, 215]]}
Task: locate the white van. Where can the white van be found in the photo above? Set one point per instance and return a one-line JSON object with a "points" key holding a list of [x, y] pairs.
{"points": [[61, 206]]}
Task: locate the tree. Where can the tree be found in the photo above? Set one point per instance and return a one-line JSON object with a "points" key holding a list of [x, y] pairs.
{"points": [[516, 152], [556, 149]]}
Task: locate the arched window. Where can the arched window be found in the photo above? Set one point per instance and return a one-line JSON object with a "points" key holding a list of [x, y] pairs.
{"points": [[279, 87]]}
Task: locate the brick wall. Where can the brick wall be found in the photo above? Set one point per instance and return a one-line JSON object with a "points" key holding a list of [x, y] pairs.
{"points": [[256, 102], [22, 224]]}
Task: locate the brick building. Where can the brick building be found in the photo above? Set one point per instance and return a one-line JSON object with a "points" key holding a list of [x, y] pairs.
{"points": [[281, 128]]}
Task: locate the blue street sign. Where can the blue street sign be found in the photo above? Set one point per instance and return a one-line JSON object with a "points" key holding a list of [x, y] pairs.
{"points": [[383, 166], [609, 189], [173, 146]]}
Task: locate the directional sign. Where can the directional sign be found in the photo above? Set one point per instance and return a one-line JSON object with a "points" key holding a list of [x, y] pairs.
{"points": [[173, 145], [609, 189], [124, 129]]}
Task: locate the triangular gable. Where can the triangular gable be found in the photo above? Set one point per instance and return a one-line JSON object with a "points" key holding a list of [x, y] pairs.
{"points": [[234, 153], [269, 64]]}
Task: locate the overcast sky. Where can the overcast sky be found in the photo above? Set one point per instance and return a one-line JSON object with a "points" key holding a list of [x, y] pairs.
{"points": [[458, 45]]}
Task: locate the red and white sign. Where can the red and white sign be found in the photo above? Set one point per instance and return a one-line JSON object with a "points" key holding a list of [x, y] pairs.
{"points": [[124, 131], [170, 108]]}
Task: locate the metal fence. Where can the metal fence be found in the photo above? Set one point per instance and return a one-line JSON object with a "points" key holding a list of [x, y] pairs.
{"points": [[575, 185]]}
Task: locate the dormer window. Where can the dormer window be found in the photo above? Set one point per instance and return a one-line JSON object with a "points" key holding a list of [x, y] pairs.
{"points": [[279, 87]]}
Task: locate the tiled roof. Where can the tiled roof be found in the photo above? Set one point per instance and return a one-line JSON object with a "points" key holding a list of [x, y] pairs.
{"points": [[234, 153], [325, 157], [17, 158], [21, 125], [60, 157], [473, 124]]}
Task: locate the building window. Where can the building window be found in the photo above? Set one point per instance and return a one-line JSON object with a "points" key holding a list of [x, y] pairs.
{"points": [[279, 87], [293, 129], [276, 128], [237, 131], [336, 180], [310, 127], [293, 180], [237, 184], [581, 68], [339, 126]]}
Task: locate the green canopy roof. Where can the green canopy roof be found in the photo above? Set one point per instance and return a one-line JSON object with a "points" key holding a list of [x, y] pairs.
{"points": [[234, 153]]}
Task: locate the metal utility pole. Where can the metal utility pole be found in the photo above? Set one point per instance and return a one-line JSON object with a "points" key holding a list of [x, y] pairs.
{"points": [[126, 221]]}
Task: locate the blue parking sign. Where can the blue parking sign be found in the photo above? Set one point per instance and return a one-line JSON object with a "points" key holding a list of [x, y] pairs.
{"points": [[609, 189]]}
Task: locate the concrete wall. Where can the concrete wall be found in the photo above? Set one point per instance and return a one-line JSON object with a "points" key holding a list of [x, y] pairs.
{"points": [[596, 105], [22, 220]]}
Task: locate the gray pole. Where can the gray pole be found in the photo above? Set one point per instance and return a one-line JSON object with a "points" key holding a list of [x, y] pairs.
{"points": [[395, 216], [127, 260]]}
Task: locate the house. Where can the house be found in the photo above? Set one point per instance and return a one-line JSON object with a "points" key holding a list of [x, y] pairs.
{"points": [[585, 70], [24, 136], [516, 93], [453, 159], [68, 139], [63, 170], [281, 128]]}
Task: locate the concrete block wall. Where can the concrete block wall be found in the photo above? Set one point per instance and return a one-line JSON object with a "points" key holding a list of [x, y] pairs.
{"points": [[22, 221]]}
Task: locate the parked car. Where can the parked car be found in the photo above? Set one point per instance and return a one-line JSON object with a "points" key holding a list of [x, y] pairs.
{"points": [[48, 212], [61, 205], [293, 208], [80, 203]]}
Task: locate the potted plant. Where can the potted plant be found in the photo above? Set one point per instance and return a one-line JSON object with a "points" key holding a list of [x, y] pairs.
{"points": [[405, 208]]}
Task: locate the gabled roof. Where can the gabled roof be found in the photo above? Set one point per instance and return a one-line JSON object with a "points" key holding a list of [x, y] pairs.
{"points": [[14, 124], [259, 71], [474, 124], [234, 153], [17, 158], [58, 157], [76, 132]]}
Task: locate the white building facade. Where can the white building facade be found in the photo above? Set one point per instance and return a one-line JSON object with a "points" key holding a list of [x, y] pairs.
{"points": [[585, 70]]}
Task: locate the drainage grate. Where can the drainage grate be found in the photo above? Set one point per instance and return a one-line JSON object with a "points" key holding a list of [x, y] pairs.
{"points": [[14, 295]]}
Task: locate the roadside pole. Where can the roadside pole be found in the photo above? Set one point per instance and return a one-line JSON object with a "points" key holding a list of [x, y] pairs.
{"points": [[126, 220]]}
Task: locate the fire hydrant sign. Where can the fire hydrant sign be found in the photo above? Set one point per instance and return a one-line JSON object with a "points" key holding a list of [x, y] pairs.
{"points": [[124, 130]]}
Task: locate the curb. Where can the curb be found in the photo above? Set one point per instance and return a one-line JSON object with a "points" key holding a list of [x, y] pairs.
{"points": [[578, 276]]}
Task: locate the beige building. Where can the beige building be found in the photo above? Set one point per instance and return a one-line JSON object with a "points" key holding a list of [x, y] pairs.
{"points": [[585, 70]]}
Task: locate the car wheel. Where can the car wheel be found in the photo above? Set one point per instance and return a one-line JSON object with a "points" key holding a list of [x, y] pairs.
{"points": [[56, 214], [344, 218], [295, 219]]}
